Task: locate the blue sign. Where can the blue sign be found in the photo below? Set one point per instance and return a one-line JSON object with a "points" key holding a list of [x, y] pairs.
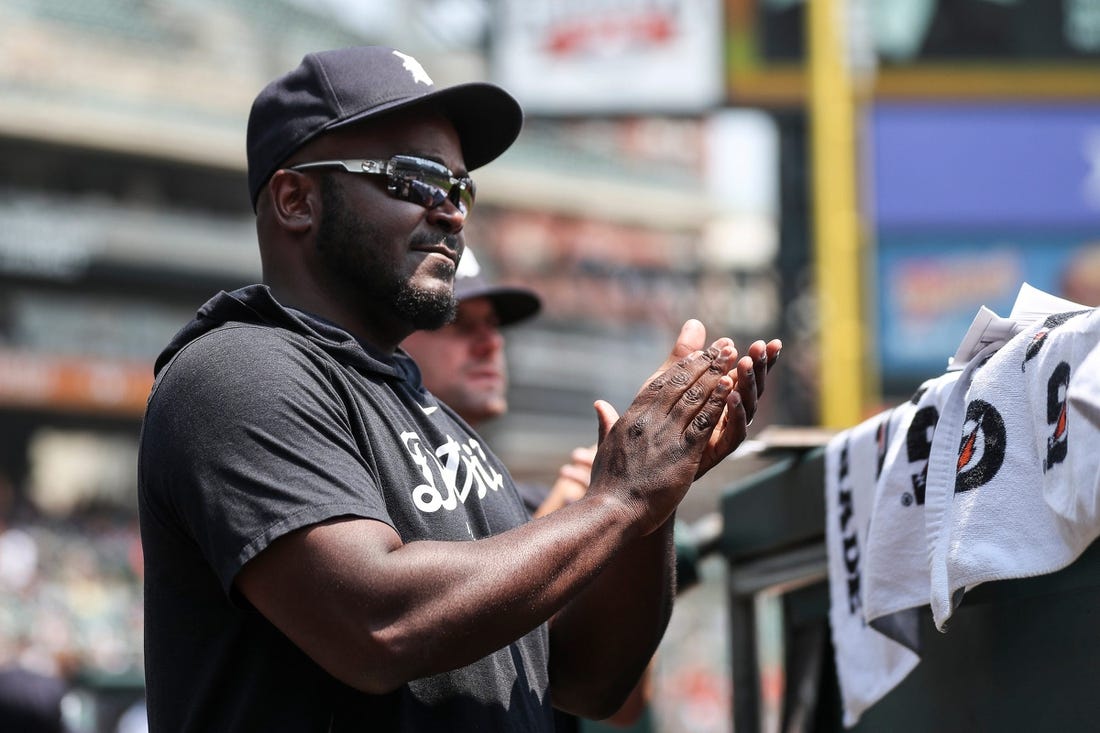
{"points": [[938, 166], [930, 287]]}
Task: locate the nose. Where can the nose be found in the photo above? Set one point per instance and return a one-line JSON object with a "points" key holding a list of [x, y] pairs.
{"points": [[487, 340], [447, 216]]}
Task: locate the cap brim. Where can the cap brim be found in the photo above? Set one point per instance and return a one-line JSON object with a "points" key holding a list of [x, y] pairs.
{"points": [[511, 304]]}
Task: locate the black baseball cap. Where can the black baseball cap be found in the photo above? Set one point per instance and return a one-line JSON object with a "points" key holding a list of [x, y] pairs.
{"points": [[511, 303], [330, 89]]}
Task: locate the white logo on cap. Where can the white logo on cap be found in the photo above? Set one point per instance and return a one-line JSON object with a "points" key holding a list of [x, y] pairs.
{"points": [[468, 265], [413, 67]]}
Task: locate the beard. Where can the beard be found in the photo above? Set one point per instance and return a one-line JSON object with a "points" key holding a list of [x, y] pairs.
{"points": [[354, 255]]}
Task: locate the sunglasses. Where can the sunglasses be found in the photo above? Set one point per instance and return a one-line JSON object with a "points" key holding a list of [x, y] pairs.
{"points": [[409, 178]]}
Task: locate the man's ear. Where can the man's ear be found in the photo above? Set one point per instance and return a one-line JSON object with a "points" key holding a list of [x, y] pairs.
{"points": [[295, 200]]}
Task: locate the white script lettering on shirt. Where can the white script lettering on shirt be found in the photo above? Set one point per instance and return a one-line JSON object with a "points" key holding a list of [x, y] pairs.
{"points": [[445, 463]]}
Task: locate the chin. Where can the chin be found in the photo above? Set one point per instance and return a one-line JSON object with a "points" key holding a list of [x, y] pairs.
{"points": [[482, 413], [426, 308], [437, 267]]}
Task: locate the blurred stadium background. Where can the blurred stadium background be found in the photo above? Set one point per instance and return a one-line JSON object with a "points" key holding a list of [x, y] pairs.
{"points": [[666, 170]]}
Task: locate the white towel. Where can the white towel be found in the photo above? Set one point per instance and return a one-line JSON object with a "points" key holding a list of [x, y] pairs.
{"points": [[868, 664], [896, 581], [1084, 391], [1012, 479]]}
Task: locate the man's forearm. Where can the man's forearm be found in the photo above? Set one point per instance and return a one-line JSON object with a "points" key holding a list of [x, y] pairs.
{"points": [[602, 641]]}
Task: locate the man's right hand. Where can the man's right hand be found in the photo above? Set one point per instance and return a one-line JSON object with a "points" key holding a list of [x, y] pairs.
{"points": [[647, 459], [691, 414]]}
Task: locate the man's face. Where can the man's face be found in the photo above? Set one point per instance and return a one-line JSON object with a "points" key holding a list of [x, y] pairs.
{"points": [[381, 254], [463, 363]]}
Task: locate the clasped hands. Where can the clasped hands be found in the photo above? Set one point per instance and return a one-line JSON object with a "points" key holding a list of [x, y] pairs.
{"points": [[688, 416]]}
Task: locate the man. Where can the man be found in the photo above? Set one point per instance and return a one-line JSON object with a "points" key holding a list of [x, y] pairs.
{"points": [[327, 546], [463, 365]]}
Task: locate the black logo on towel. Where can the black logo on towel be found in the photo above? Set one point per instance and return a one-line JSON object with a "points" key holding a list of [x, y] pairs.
{"points": [[1057, 443], [1038, 341], [982, 448], [918, 445], [882, 445], [849, 538]]}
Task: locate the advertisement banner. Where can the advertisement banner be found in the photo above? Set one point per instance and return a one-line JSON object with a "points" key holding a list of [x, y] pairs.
{"points": [[607, 56], [930, 287]]}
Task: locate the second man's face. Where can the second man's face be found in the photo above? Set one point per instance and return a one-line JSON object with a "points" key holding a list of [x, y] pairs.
{"points": [[463, 363]]}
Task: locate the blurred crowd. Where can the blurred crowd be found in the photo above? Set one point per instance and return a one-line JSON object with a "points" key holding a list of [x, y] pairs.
{"points": [[71, 620]]}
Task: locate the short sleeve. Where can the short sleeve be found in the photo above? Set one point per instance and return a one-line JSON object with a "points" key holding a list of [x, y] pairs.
{"points": [[247, 437]]}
